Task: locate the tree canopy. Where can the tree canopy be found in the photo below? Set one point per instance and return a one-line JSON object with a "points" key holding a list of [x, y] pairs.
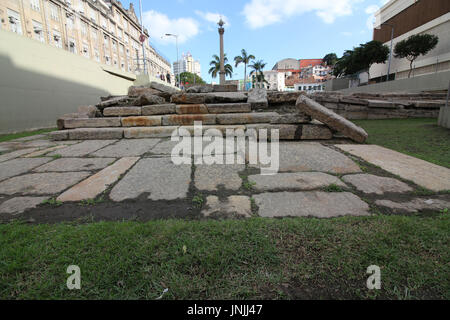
{"points": [[188, 77], [330, 59], [215, 66]]}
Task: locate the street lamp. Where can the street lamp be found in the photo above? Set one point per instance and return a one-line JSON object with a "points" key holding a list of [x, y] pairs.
{"points": [[178, 63], [390, 53]]}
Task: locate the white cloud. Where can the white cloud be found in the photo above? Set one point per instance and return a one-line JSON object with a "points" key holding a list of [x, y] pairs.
{"points": [[346, 33], [260, 13], [371, 20], [158, 24], [213, 17]]}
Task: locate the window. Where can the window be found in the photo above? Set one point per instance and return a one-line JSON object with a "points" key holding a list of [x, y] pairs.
{"points": [[125, 24], [83, 28], [108, 60], [72, 45], [96, 55], [119, 33], [121, 50], [14, 21], [106, 41], [103, 22], [34, 4], [114, 45], [113, 28], [57, 39], [80, 6], [54, 12], [86, 50], [93, 15], [125, 38], [38, 31], [70, 23]]}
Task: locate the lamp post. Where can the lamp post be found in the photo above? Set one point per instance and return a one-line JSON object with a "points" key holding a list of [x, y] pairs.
{"points": [[178, 63], [143, 37], [390, 52]]}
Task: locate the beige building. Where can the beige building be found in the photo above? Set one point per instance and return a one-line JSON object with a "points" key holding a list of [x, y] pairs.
{"points": [[103, 31]]}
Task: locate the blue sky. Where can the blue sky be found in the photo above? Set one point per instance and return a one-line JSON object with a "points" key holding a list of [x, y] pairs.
{"points": [[269, 29]]}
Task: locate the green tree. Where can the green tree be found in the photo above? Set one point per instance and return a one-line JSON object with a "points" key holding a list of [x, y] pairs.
{"points": [[257, 69], [215, 66], [330, 59], [245, 59], [188, 77], [414, 46]]}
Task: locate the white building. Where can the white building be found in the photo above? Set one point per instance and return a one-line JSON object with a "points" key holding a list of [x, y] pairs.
{"points": [[411, 17], [187, 64], [275, 80], [309, 87]]}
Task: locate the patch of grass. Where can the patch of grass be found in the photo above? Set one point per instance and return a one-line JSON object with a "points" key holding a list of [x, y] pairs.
{"points": [[56, 156], [257, 258], [198, 201], [52, 202], [333, 188], [8, 137], [248, 185], [421, 138]]}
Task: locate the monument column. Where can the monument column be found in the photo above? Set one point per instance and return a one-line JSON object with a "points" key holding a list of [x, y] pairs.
{"points": [[222, 63]]}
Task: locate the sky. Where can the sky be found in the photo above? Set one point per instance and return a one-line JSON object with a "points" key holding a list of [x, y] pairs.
{"points": [[271, 30]]}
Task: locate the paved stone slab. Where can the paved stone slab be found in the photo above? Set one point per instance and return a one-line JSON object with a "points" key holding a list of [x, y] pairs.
{"points": [[83, 148], [92, 123], [294, 180], [158, 109], [188, 119], [149, 132], [122, 111], [213, 97], [96, 133], [159, 177], [423, 173], [293, 131], [127, 148], [310, 156], [98, 183], [20, 204], [289, 118], [191, 109], [15, 167], [29, 138], [312, 203], [41, 183], [217, 130], [210, 177], [415, 205], [369, 183], [16, 154], [245, 118], [331, 119], [75, 164], [38, 144], [43, 152], [142, 121], [229, 107], [232, 206]]}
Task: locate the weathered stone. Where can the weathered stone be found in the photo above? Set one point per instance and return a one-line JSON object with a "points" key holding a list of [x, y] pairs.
{"points": [[229, 107], [127, 148], [114, 101], [188, 119], [136, 91], [415, 205], [38, 144], [225, 88], [291, 118], [157, 109], [92, 123], [212, 177], [285, 131], [204, 88], [188, 98], [214, 97], [163, 88], [122, 111], [423, 173], [141, 121], [159, 177], [15, 154], [245, 118], [96, 133], [98, 183], [89, 110], [59, 135], [82, 149], [15, 167], [148, 99], [233, 206], [215, 130], [258, 98], [368, 183], [310, 204], [294, 181], [75, 164], [61, 120], [31, 138], [331, 119], [381, 104], [149, 132], [191, 109], [20, 204], [352, 100], [276, 98], [41, 183], [40, 153], [316, 132]]}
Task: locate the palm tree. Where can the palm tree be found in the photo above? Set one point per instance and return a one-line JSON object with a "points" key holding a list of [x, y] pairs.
{"points": [[245, 59], [215, 66], [257, 69]]}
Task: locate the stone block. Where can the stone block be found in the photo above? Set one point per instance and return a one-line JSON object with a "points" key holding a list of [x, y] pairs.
{"points": [[59, 135], [229, 107], [148, 99], [92, 123], [96, 133], [149, 132], [122, 111], [141, 121], [191, 109], [258, 98], [245, 118], [158, 109], [90, 111], [188, 119]]}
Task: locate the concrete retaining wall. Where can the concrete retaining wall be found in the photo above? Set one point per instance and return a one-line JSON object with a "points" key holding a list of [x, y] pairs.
{"points": [[39, 82], [444, 117]]}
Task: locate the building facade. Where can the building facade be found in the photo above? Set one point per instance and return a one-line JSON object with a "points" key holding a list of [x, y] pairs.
{"points": [[187, 64], [407, 18], [103, 31], [275, 80]]}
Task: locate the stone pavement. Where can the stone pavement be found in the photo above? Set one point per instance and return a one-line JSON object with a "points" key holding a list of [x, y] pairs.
{"points": [[137, 177]]}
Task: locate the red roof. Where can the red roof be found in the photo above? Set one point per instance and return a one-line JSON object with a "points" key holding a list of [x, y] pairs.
{"points": [[307, 62]]}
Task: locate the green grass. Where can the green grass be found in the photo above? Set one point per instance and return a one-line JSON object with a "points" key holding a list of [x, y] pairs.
{"points": [[232, 259], [8, 137], [421, 138]]}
